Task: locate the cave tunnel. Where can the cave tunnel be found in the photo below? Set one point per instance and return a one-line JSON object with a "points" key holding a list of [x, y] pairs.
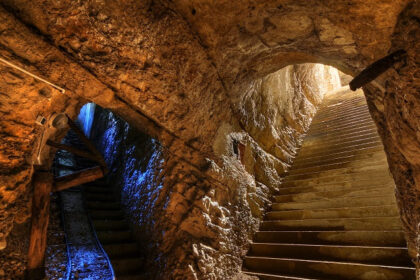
{"points": [[197, 140]]}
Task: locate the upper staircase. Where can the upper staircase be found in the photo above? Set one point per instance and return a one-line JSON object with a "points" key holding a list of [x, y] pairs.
{"points": [[335, 215]]}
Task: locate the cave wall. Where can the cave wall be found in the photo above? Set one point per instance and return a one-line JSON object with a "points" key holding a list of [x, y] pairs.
{"points": [[135, 162], [395, 107], [219, 218], [190, 227]]}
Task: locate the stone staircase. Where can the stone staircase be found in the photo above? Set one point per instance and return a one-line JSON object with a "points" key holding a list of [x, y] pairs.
{"points": [[113, 231], [335, 215]]}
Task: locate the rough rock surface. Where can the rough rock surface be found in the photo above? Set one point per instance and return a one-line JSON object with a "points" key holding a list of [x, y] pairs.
{"points": [[185, 223], [178, 71], [135, 162]]}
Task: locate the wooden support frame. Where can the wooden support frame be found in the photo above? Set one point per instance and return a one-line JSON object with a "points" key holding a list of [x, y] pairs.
{"points": [[77, 178], [72, 150], [42, 184], [87, 142]]}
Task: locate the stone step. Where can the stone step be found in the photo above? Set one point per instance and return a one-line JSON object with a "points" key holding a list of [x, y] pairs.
{"points": [[336, 203], [330, 104], [340, 115], [335, 213], [98, 183], [120, 250], [105, 224], [397, 256], [327, 136], [342, 98], [375, 175], [267, 276], [342, 157], [125, 266], [107, 214], [367, 223], [329, 140], [100, 190], [373, 159], [394, 238], [328, 269], [333, 194], [342, 127], [328, 109], [359, 171], [340, 122], [343, 186], [355, 159], [341, 147], [114, 236], [343, 115], [333, 151], [100, 197], [357, 127], [339, 144], [103, 205]]}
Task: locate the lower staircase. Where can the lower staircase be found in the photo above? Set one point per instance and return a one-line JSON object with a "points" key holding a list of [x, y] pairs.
{"points": [[113, 231], [335, 215]]}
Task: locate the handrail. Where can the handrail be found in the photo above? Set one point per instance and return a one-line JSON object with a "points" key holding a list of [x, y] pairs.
{"points": [[98, 243], [63, 220], [32, 75]]}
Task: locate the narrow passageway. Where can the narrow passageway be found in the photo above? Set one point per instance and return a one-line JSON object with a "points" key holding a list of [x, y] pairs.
{"points": [[335, 214], [113, 230], [100, 239]]}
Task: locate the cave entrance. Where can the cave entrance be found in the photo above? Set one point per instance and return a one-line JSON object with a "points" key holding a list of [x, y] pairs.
{"points": [[106, 215], [336, 203]]}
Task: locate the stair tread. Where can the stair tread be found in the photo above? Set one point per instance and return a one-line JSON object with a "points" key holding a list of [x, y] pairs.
{"points": [[335, 219], [331, 262], [334, 199], [331, 246], [361, 237], [277, 276], [345, 191]]}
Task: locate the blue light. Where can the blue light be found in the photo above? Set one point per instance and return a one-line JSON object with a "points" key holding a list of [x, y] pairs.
{"points": [[86, 116]]}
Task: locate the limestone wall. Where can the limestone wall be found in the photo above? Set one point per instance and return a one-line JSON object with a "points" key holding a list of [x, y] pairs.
{"points": [[135, 162], [193, 227]]}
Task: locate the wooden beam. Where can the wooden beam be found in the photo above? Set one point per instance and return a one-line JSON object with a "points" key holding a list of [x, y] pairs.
{"points": [[375, 69], [42, 184], [72, 150], [78, 178], [87, 142]]}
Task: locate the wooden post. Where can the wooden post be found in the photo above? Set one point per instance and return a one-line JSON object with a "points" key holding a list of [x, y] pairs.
{"points": [[375, 69], [42, 184], [87, 142], [72, 150], [77, 178]]}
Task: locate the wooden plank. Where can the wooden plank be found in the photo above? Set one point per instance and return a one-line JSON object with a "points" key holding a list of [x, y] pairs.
{"points": [[42, 184], [78, 178], [87, 142], [375, 69], [72, 150]]}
